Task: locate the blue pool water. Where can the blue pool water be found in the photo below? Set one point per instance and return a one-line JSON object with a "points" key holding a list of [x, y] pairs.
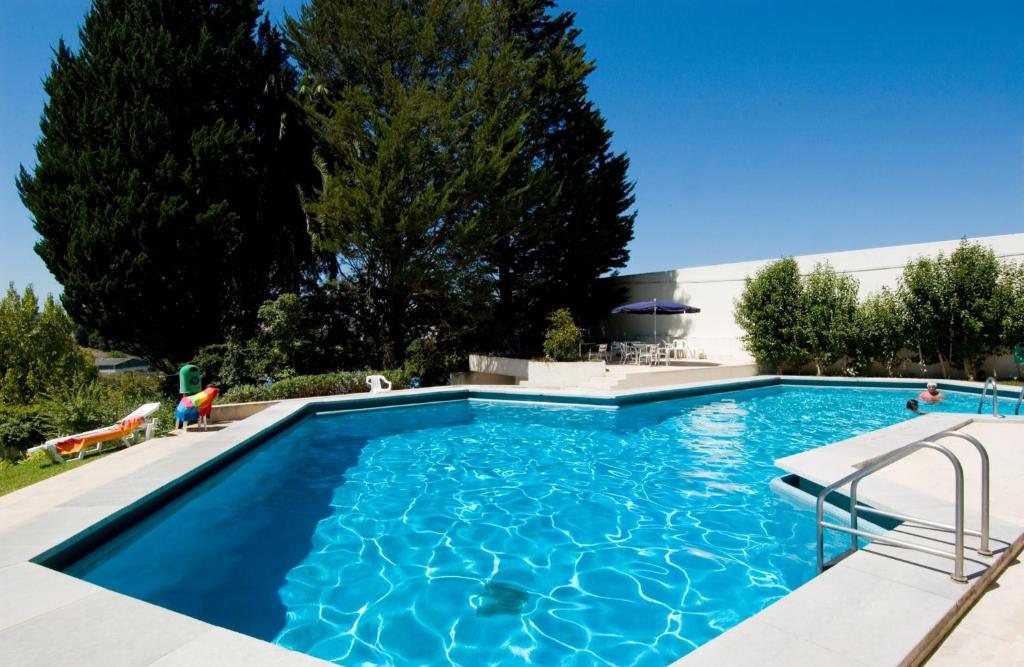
{"points": [[476, 533]]}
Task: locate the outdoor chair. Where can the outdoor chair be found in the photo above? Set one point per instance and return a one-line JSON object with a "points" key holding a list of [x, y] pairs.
{"points": [[377, 383], [680, 349], [646, 354], [598, 352]]}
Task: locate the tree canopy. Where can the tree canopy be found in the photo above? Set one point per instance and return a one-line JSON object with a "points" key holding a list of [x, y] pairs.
{"points": [[37, 350], [468, 185], [165, 186]]}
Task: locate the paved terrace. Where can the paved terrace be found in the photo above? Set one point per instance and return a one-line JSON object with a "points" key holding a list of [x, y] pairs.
{"points": [[870, 609]]}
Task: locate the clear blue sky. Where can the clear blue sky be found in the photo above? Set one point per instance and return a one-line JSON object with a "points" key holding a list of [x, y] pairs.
{"points": [[755, 129]]}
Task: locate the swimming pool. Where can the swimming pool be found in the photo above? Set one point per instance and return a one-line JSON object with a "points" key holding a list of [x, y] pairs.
{"points": [[480, 532]]}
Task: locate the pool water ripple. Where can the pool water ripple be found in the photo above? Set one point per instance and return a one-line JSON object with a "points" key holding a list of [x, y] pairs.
{"points": [[478, 533]]}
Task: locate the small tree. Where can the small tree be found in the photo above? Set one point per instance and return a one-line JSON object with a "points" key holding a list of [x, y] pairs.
{"points": [[923, 296], [972, 279], [829, 308], [1008, 307], [563, 338], [880, 332], [770, 312], [37, 348], [952, 307]]}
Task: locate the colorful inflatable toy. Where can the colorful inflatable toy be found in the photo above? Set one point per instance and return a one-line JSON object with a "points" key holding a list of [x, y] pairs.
{"points": [[195, 408]]}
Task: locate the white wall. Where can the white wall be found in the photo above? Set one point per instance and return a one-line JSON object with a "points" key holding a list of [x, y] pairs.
{"points": [[715, 288]]}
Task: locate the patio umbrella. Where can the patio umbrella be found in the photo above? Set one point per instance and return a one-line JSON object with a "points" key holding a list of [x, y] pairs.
{"points": [[653, 308]]}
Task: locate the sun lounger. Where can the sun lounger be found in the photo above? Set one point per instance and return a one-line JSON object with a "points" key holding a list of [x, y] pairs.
{"points": [[76, 446]]}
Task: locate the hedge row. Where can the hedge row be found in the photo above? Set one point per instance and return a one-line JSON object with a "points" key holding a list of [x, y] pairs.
{"points": [[306, 386]]}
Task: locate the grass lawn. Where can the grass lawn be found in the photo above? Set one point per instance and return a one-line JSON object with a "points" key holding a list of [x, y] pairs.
{"points": [[38, 467]]}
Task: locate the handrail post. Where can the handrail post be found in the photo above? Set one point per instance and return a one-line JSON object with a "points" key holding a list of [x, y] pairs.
{"points": [[983, 547], [854, 544], [990, 380], [820, 511], [958, 535]]}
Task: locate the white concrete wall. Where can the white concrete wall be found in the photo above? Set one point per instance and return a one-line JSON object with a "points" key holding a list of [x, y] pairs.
{"points": [[562, 374], [483, 363], [715, 288]]}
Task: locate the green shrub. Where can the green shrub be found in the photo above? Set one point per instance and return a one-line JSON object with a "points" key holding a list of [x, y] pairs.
{"points": [[233, 363], [770, 310], [563, 338], [1009, 305], [37, 348], [433, 359], [245, 393], [828, 306], [89, 405], [21, 427], [308, 386], [881, 333], [953, 306]]}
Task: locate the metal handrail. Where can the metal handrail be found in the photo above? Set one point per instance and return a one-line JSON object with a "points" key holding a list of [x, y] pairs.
{"points": [[879, 464], [1020, 397], [991, 380], [983, 534], [983, 548]]}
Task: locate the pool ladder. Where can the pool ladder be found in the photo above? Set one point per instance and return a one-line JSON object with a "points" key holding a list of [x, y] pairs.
{"points": [[957, 528], [992, 382]]}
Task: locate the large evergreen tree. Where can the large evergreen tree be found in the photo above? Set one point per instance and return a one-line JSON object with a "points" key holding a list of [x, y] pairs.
{"points": [[573, 223], [411, 105], [467, 181], [165, 190]]}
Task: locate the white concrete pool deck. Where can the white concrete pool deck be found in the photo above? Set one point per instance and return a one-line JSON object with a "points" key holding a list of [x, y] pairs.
{"points": [[867, 610]]}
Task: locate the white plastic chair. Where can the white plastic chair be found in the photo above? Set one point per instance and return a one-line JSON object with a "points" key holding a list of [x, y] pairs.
{"points": [[680, 349], [377, 383]]}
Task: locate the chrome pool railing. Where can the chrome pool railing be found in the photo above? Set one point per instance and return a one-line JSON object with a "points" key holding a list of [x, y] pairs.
{"points": [[990, 381], [957, 527]]}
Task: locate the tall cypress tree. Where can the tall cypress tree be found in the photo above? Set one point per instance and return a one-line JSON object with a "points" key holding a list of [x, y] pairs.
{"points": [[164, 191], [575, 223]]}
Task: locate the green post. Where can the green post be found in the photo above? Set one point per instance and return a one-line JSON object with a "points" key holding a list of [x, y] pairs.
{"points": [[190, 380]]}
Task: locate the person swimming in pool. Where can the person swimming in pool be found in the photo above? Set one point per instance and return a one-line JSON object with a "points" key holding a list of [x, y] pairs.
{"points": [[931, 394], [914, 407]]}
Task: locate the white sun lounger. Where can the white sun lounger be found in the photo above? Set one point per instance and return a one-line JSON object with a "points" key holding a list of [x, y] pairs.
{"points": [[92, 441]]}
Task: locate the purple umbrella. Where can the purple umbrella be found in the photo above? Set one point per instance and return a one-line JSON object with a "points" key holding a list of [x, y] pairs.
{"points": [[654, 307]]}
